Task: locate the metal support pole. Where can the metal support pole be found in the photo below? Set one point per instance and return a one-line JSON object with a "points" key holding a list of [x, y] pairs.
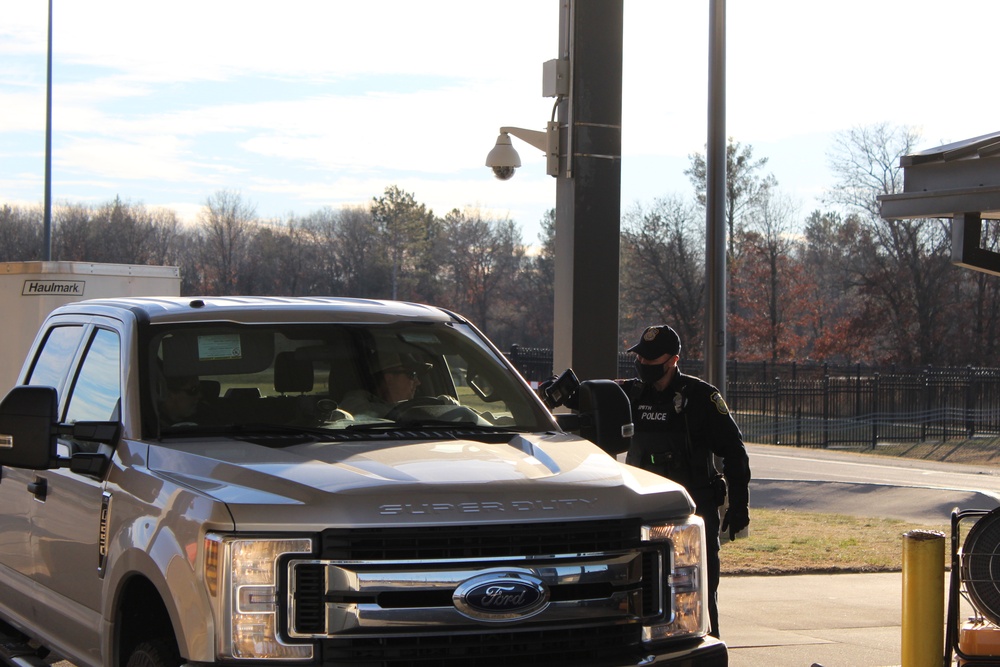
{"points": [[47, 241], [715, 202], [923, 599], [588, 190]]}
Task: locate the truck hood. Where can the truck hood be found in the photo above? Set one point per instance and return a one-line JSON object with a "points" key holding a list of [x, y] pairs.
{"points": [[545, 477]]}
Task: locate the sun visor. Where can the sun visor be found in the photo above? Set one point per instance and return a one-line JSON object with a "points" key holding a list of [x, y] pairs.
{"points": [[217, 352]]}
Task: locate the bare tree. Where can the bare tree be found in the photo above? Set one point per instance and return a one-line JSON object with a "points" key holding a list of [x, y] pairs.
{"points": [[321, 228], [71, 233], [840, 332], [161, 248], [227, 224], [771, 285], [865, 160], [534, 290], [484, 255], [906, 265], [359, 254], [20, 233], [663, 271], [284, 260], [746, 185]]}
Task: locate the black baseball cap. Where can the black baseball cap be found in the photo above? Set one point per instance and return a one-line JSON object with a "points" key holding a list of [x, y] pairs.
{"points": [[656, 342]]}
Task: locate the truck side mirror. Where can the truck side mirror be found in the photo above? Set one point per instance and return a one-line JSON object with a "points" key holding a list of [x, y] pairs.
{"points": [[27, 428], [605, 415]]}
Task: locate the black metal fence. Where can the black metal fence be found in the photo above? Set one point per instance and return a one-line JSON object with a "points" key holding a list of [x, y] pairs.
{"points": [[826, 405]]}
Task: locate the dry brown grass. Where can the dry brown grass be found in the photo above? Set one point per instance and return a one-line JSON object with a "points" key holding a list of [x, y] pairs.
{"points": [[974, 451], [783, 542]]}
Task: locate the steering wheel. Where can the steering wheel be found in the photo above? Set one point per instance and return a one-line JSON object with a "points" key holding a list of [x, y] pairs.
{"points": [[403, 407]]}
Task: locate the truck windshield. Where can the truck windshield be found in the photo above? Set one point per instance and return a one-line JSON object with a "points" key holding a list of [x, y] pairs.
{"points": [[336, 377]]}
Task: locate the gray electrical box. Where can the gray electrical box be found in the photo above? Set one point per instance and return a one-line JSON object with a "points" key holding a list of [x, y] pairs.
{"points": [[555, 78]]}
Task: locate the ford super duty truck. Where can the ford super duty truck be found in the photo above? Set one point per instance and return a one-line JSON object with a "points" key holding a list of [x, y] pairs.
{"points": [[229, 481]]}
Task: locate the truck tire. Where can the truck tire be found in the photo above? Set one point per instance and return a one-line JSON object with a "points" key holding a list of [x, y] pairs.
{"points": [[154, 653]]}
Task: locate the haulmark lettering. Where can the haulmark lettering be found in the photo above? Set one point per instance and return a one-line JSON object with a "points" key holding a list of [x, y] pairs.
{"points": [[50, 287]]}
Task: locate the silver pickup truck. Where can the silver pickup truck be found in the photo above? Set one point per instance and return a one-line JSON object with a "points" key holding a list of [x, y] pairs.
{"points": [[326, 482]]}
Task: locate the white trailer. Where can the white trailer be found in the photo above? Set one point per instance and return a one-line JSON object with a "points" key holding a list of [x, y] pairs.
{"points": [[29, 291]]}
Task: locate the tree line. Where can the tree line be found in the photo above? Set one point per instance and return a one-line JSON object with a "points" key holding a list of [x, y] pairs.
{"points": [[394, 248], [839, 285]]}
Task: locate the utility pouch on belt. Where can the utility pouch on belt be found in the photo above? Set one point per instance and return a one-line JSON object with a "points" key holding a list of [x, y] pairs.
{"points": [[669, 457]]}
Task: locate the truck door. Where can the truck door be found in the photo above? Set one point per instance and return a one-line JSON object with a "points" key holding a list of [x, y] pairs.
{"points": [[50, 368], [66, 522]]}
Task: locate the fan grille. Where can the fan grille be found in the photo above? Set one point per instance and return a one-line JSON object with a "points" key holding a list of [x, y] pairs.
{"points": [[981, 566]]}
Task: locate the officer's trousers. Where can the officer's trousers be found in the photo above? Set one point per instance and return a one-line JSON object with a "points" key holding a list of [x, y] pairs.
{"points": [[709, 512]]}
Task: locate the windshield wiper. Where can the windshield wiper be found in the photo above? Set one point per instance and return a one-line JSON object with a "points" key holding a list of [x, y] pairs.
{"points": [[245, 430], [436, 424]]}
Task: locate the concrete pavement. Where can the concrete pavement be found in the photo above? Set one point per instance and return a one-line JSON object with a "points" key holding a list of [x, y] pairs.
{"points": [[837, 620]]}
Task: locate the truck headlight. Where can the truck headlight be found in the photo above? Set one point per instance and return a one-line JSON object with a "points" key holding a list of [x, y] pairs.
{"points": [[685, 584], [241, 574]]}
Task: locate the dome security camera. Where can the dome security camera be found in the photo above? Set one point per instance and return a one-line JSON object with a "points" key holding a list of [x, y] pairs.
{"points": [[503, 173], [503, 159]]}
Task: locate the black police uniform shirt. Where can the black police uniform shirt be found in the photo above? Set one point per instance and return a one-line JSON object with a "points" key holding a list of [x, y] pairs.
{"points": [[663, 421]]}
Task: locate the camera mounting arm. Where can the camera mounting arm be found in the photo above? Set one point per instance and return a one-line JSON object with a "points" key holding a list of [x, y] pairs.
{"points": [[534, 137], [503, 159]]}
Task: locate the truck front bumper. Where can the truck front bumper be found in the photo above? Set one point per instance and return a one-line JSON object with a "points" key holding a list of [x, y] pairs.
{"points": [[704, 652]]}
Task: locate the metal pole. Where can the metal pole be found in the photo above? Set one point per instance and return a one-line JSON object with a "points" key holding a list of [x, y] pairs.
{"points": [[588, 191], [715, 202], [47, 242], [922, 639]]}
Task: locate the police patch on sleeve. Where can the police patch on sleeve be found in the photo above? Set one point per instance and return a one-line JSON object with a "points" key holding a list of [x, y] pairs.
{"points": [[720, 403]]}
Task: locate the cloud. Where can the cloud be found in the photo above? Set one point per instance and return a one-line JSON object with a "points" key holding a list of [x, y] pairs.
{"points": [[317, 103]]}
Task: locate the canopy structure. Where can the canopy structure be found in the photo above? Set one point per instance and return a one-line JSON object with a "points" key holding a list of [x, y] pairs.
{"points": [[961, 181]]}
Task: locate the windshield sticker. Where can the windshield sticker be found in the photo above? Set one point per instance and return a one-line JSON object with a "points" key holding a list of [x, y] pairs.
{"points": [[219, 346]]}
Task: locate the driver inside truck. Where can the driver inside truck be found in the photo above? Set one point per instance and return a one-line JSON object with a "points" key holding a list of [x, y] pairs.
{"points": [[397, 377]]}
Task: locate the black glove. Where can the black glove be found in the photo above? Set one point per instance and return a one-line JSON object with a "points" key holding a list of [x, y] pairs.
{"points": [[737, 518], [543, 391], [561, 390]]}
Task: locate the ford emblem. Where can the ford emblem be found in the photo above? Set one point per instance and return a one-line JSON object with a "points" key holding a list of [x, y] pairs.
{"points": [[501, 596]]}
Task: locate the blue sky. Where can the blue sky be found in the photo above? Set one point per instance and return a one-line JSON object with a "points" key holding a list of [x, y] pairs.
{"points": [[320, 103]]}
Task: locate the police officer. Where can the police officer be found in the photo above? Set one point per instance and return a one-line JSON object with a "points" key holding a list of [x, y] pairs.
{"points": [[680, 423]]}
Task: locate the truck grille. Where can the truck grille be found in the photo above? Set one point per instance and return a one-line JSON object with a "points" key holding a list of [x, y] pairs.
{"points": [[384, 596]]}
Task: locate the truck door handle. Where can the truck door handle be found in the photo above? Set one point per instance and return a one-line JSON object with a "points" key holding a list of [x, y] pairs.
{"points": [[39, 488]]}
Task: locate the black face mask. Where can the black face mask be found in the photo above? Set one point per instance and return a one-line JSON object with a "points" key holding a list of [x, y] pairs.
{"points": [[649, 373]]}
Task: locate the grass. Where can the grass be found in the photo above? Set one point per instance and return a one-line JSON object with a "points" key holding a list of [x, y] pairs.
{"points": [[783, 542], [974, 451]]}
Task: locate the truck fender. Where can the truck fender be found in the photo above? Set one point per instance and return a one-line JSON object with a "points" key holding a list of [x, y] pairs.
{"points": [[172, 565]]}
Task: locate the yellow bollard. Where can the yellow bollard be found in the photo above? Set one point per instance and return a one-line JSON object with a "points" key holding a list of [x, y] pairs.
{"points": [[923, 598]]}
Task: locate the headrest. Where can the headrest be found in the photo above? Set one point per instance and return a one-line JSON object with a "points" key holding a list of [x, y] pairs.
{"points": [[291, 374]]}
